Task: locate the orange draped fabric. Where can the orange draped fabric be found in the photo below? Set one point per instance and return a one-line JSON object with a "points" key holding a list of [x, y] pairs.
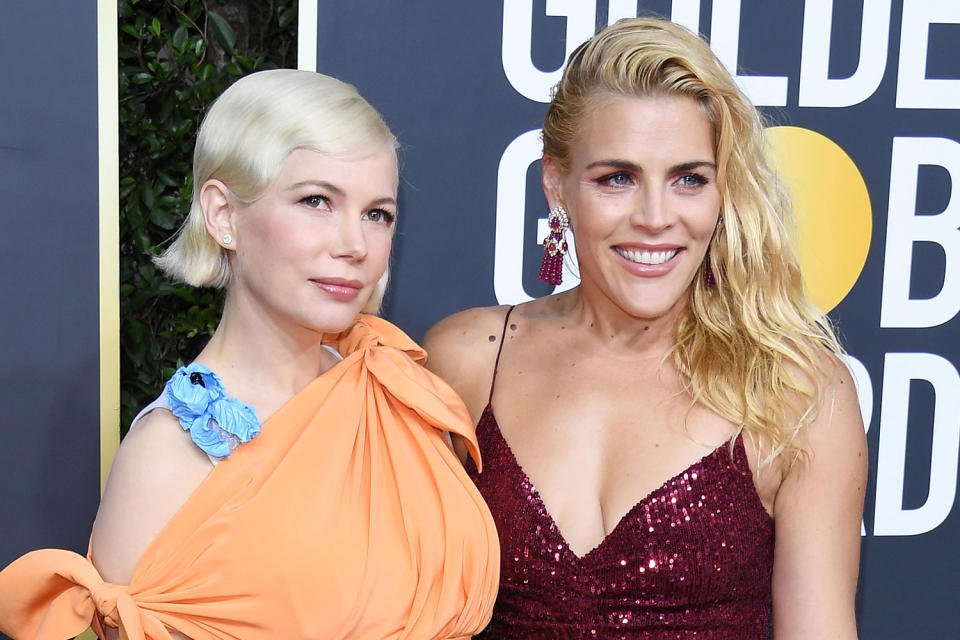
{"points": [[349, 516]]}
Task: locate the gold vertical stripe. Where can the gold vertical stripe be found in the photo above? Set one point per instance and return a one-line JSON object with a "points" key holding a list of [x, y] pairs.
{"points": [[108, 163], [109, 199]]}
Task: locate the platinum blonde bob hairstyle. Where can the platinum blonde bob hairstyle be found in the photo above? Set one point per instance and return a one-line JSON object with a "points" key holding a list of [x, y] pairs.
{"points": [[244, 139]]}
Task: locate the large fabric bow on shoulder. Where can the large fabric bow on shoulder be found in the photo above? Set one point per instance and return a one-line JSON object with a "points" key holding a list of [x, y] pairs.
{"points": [[349, 516]]}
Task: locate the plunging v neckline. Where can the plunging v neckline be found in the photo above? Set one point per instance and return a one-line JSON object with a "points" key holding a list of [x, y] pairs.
{"points": [[577, 558]]}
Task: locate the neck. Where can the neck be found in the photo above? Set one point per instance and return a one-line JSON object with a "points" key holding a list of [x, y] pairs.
{"points": [[262, 356], [614, 329]]}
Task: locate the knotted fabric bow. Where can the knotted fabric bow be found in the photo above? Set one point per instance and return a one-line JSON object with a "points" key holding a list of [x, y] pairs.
{"points": [[348, 517]]}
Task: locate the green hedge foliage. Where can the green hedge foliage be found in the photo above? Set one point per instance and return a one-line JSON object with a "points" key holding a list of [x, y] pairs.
{"points": [[175, 57]]}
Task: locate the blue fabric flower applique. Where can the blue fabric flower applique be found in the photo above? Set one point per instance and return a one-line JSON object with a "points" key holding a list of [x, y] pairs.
{"points": [[217, 423]]}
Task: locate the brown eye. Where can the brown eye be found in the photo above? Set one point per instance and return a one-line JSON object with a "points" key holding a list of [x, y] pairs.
{"points": [[379, 215], [314, 201]]}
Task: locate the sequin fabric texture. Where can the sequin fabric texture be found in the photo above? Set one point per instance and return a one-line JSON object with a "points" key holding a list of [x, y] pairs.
{"points": [[693, 559]]}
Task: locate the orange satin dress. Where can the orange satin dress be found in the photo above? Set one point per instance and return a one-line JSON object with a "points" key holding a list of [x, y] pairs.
{"points": [[348, 517]]}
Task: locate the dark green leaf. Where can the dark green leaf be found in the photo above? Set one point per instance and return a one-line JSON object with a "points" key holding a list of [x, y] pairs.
{"points": [[180, 38], [287, 16], [165, 179], [222, 31], [163, 218], [146, 194], [142, 240], [126, 189], [164, 91], [207, 70]]}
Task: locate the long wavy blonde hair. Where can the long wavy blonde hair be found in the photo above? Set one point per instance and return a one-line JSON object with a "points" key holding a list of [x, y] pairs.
{"points": [[752, 348]]}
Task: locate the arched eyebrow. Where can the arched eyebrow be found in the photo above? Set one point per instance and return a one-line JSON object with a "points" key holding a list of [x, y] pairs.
{"points": [[690, 166], [338, 192], [384, 201], [322, 184], [626, 165]]}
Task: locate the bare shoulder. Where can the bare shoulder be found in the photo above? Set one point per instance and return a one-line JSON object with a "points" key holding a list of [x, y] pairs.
{"points": [[818, 512], [462, 349], [154, 472], [464, 331], [839, 421], [835, 440]]}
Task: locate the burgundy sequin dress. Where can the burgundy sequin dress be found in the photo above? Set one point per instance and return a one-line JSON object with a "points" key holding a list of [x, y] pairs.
{"points": [[693, 559]]}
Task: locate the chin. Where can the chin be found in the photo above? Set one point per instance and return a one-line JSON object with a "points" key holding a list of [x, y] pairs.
{"points": [[647, 315], [655, 309], [332, 320]]}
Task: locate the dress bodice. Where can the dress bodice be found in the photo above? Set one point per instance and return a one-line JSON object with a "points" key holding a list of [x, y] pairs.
{"points": [[348, 517], [694, 558]]}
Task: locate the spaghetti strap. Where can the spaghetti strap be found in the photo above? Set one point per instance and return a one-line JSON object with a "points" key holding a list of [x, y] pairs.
{"points": [[496, 363]]}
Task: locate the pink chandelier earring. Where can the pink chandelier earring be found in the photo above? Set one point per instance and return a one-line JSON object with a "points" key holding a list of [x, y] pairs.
{"points": [[554, 246], [709, 280]]}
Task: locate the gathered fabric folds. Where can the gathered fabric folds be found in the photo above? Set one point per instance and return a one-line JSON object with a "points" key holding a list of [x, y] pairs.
{"points": [[348, 517]]}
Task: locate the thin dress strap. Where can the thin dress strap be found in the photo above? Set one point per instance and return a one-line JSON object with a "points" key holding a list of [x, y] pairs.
{"points": [[496, 363]]}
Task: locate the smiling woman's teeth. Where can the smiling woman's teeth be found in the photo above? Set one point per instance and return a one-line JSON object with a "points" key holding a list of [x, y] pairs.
{"points": [[647, 257]]}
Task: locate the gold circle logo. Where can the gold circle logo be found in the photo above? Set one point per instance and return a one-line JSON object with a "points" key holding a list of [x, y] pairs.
{"points": [[832, 209]]}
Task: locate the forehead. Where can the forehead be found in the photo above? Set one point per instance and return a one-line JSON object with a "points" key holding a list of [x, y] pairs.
{"points": [[671, 128], [376, 171]]}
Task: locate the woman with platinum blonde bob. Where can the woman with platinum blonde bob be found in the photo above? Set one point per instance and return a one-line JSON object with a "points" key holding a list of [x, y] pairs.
{"points": [[295, 480], [674, 447]]}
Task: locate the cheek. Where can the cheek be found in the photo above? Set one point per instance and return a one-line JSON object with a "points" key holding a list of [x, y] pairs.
{"points": [[305, 236], [593, 217], [595, 229], [261, 234], [703, 222], [379, 244]]}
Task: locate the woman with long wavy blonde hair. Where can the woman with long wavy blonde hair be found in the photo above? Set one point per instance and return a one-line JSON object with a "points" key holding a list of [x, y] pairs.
{"points": [[673, 447]]}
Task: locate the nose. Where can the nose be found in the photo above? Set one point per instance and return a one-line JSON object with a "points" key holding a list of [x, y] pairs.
{"points": [[349, 241], [651, 210]]}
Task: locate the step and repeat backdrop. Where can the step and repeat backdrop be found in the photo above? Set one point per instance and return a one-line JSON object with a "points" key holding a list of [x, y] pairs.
{"points": [[50, 274], [863, 97]]}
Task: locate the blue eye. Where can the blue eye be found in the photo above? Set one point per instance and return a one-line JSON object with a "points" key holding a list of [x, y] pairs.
{"points": [[619, 179], [692, 180]]}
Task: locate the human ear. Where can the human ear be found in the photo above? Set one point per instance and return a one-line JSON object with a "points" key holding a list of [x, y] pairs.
{"points": [[550, 177], [216, 203]]}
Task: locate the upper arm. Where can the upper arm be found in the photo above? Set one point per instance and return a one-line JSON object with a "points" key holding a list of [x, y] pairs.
{"points": [[818, 513], [462, 349], [156, 469]]}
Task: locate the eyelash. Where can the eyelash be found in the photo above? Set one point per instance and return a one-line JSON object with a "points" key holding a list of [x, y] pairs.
{"points": [[315, 201], [315, 196], [386, 218], [609, 180], [699, 180]]}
